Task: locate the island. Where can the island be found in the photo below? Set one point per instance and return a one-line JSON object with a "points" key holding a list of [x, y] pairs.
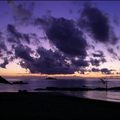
{"points": [[3, 80], [19, 82], [51, 78]]}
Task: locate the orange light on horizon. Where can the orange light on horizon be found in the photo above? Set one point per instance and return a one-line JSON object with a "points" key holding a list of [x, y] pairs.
{"points": [[13, 69], [74, 76]]}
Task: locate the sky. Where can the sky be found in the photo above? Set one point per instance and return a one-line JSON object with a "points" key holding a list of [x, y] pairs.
{"points": [[59, 37]]}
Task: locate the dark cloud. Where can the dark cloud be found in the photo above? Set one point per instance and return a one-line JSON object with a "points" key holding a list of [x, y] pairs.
{"points": [[106, 71], [13, 33], [68, 40], [23, 52], [49, 62], [80, 62], [98, 54], [42, 21], [3, 46], [92, 47], [113, 53], [3, 65], [103, 60], [82, 71], [100, 58], [65, 36], [117, 47], [3, 51], [10, 1], [95, 62], [16, 37], [97, 24], [2, 43], [20, 51], [95, 70], [22, 12], [103, 70]]}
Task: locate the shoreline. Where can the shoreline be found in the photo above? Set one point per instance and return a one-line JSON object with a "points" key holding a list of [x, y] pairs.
{"points": [[54, 106]]}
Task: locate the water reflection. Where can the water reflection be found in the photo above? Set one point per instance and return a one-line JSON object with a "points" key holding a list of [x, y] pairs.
{"points": [[43, 83], [97, 95]]}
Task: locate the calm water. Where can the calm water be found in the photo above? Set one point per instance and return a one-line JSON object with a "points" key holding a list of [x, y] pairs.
{"points": [[92, 83]]}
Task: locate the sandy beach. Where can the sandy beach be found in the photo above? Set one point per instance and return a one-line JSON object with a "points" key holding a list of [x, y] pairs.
{"points": [[46, 105]]}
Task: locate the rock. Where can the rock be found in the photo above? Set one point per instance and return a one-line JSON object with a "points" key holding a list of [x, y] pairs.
{"points": [[51, 78], [19, 82], [3, 80]]}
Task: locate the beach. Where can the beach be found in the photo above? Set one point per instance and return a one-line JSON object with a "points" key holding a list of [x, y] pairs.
{"points": [[59, 99], [46, 105]]}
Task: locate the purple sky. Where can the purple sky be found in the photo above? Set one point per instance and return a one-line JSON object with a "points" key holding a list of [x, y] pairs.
{"points": [[56, 37]]}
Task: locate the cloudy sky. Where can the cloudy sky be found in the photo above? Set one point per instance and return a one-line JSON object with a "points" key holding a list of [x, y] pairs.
{"points": [[59, 37]]}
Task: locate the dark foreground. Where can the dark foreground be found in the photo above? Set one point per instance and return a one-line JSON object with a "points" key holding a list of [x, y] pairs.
{"points": [[42, 106]]}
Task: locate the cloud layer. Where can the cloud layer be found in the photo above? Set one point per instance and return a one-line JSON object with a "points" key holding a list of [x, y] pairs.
{"points": [[64, 35], [97, 24], [68, 41]]}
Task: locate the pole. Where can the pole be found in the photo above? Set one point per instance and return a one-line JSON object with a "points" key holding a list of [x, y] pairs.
{"points": [[106, 85]]}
